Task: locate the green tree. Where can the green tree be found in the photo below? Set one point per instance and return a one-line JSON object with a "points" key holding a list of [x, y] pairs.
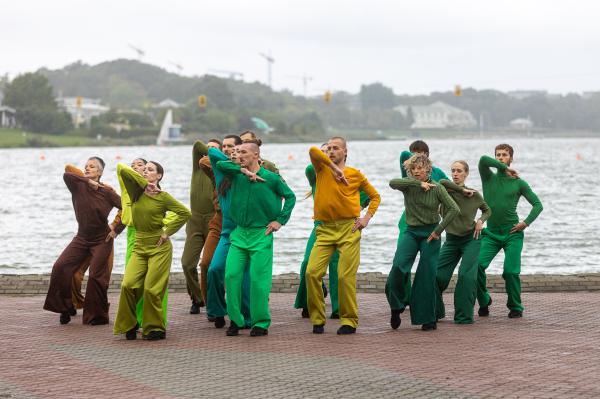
{"points": [[376, 95], [31, 96]]}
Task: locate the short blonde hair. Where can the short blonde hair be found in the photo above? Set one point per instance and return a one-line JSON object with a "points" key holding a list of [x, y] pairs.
{"points": [[418, 160]]}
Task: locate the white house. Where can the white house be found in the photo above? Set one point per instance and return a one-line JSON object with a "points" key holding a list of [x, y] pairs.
{"points": [[167, 103], [438, 115], [521, 124], [7, 116], [83, 112]]}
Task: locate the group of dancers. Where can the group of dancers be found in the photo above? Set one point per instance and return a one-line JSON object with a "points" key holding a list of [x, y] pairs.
{"points": [[238, 200]]}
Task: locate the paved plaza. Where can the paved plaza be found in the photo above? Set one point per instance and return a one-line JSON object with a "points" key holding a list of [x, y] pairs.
{"points": [[554, 351]]}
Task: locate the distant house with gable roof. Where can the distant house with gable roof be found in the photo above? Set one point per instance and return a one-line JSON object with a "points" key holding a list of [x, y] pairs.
{"points": [[437, 115]]}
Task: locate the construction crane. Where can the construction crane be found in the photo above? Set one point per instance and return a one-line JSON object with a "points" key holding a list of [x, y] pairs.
{"points": [[270, 60], [305, 80], [176, 65], [233, 75], [140, 53]]}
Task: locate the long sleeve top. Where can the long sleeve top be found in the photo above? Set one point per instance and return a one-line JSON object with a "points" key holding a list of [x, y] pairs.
{"points": [[92, 206], [311, 176], [436, 173], [423, 207], [215, 156], [256, 204], [126, 217], [464, 223], [201, 186], [502, 193], [149, 212], [335, 200]]}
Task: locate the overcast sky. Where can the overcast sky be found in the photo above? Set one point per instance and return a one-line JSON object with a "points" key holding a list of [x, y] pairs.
{"points": [[412, 46]]}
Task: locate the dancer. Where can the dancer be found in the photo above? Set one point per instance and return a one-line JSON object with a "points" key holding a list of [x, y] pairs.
{"points": [[92, 203], [201, 204], [76, 295], [416, 147], [337, 208], [147, 273], [216, 306], [502, 191], [422, 200], [250, 136], [462, 242], [256, 209], [300, 302]]}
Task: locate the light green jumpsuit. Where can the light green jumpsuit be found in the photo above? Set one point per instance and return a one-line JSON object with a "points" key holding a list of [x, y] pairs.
{"points": [[147, 273]]}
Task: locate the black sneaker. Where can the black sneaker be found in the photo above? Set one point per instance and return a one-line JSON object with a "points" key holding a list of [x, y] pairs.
{"points": [[211, 318], [334, 316], [515, 314], [219, 322], [155, 335], [319, 329], [395, 319], [65, 318], [258, 332], [346, 329], [429, 326], [132, 334], [195, 308], [325, 292], [305, 314], [73, 312], [98, 322], [233, 330], [484, 311]]}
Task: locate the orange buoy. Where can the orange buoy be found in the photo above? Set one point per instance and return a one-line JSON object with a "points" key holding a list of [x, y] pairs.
{"points": [[42, 157], [290, 157], [117, 157], [578, 157]]}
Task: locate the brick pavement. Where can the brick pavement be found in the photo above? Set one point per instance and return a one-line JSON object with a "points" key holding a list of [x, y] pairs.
{"points": [[554, 351]]}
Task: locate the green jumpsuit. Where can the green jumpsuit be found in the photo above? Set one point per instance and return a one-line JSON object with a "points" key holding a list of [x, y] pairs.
{"points": [[300, 302], [436, 175], [253, 206], [147, 273], [127, 219], [201, 205], [502, 193], [422, 217], [460, 244]]}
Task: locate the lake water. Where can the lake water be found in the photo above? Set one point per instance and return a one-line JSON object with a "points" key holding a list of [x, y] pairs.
{"points": [[37, 219]]}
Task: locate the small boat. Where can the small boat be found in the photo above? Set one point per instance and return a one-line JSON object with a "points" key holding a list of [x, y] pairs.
{"points": [[169, 132]]}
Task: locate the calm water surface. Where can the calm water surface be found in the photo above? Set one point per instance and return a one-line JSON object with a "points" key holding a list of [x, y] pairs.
{"points": [[37, 219]]}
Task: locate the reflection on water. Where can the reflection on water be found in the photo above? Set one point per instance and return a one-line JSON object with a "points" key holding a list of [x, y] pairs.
{"points": [[37, 220]]}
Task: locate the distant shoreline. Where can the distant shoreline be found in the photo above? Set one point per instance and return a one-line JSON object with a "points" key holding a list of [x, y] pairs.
{"points": [[14, 138]]}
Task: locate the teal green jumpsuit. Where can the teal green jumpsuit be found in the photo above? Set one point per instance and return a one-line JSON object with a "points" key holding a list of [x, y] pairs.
{"points": [[422, 217], [460, 244], [502, 193], [253, 206]]}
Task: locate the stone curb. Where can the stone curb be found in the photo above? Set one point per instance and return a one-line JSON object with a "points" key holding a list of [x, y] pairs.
{"points": [[370, 282]]}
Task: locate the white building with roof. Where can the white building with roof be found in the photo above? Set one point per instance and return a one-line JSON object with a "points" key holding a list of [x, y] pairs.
{"points": [[521, 124], [82, 110], [167, 103], [8, 116], [438, 115]]}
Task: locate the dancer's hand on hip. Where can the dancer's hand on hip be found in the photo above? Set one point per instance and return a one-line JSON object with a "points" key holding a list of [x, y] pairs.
{"points": [[518, 227], [478, 228], [361, 223], [273, 226], [433, 236], [163, 238]]}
